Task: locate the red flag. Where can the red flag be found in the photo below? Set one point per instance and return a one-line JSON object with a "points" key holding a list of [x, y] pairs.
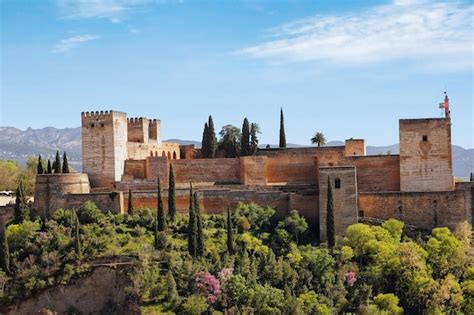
{"points": [[446, 102]]}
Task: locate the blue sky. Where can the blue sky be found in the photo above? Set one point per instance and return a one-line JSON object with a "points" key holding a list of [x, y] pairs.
{"points": [[346, 68]]}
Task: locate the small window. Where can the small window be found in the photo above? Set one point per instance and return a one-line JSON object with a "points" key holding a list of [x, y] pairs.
{"points": [[425, 138], [102, 125], [337, 183], [92, 125], [361, 213]]}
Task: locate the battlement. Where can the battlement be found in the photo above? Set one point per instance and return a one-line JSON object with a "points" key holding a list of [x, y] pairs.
{"points": [[98, 115]]}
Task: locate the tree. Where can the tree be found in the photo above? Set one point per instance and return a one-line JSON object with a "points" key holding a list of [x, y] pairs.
{"points": [[40, 166], [230, 141], [205, 142], [22, 210], [65, 163], [49, 169], [57, 164], [172, 295], [5, 253], [77, 236], [192, 225], [230, 237], [171, 196], [160, 211], [294, 224], [130, 202], [282, 130], [254, 129], [199, 234], [318, 139], [330, 229], [245, 140], [212, 139]]}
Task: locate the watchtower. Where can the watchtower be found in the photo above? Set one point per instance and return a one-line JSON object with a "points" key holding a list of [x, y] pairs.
{"points": [[104, 146], [138, 130], [155, 130]]}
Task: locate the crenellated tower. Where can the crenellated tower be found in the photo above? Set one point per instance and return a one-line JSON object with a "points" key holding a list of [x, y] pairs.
{"points": [[104, 146]]}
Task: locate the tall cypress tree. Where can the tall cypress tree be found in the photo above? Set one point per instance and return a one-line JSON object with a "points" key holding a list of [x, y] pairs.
{"points": [[5, 253], [171, 196], [49, 169], [57, 164], [130, 202], [245, 140], [77, 236], [212, 139], [230, 237], [330, 229], [39, 169], [205, 142], [65, 164], [253, 139], [21, 210], [160, 211], [192, 225], [199, 234], [282, 130]]}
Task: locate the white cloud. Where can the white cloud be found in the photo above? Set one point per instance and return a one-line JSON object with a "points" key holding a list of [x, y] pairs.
{"points": [[67, 44], [435, 33]]}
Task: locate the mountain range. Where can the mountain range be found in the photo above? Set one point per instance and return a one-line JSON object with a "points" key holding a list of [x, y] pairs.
{"points": [[18, 145]]}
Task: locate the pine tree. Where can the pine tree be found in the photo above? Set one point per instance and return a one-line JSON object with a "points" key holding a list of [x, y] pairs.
{"points": [[5, 253], [57, 164], [212, 139], [199, 234], [245, 140], [49, 170], [253, 139], [171, 196], [282, 130], [160, 211], [21, 210], [65, 164], [230, 237], [40, 166], [130, 202], [77, 236], [192, 225], [205, 142], [330, 229]]}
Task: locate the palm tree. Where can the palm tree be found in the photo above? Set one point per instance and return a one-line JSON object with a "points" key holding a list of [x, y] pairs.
{"points": [[318, 139]]}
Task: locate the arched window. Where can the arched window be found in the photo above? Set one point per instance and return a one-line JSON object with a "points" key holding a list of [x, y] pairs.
{"points": [[156, 153], [151, 153], [169, 155], [163, 154], [337, 183], [174, 155]]}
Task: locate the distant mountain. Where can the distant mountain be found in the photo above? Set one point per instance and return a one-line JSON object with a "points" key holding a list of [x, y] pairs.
{"points": [[18, 145]]}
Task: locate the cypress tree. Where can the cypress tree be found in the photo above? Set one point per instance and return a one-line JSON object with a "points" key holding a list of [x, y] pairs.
{"points": [[172, 295], [57, 164], [205, 142], [230, 237], [49, 170], [171, 196], [282, 130], [160, 211], [192, 225], [40, 166], [330, 229], [130, 202], [21, 210], [253, 139], [199, 234], [245, 140], [65, 164], [77, 236], [5, 253], [212, 139]]}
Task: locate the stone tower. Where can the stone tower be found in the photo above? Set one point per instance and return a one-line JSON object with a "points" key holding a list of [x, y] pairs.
{"points": [[425, 155], [104, 146]]}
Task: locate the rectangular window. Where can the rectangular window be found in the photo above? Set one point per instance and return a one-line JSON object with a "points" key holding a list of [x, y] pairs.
{"points": [[425, 138]]}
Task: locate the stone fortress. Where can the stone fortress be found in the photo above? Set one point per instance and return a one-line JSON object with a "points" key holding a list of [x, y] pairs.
{"points": [[120, 153]]}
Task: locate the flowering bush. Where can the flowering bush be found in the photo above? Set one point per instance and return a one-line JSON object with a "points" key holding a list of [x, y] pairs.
{"points": [[208, 285], [350, 278], [225, 274]]}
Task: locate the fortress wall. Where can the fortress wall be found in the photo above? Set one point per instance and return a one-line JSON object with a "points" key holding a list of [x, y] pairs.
{"points": [[292, 169], [417, 208], [308, 206], [301, 151], [135, 169], [157, 166], [112, 201], [207, 170], [377, 173], [253, 170], [6, 215]]}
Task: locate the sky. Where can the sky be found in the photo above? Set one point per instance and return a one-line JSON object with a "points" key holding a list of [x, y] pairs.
{"points": [[344, 68]]}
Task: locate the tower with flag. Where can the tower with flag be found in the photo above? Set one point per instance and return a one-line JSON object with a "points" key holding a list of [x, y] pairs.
{"points": [[445, 105]]}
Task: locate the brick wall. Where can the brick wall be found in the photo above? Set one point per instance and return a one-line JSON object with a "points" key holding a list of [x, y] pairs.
{"points": [[113, 201], [135, 169], [292, 169], [207, 170], [377, 173], [253, 170]]}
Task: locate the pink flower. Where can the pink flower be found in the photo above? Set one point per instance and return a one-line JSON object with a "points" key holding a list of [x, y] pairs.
{"points": [[208, 285], [350, 278], [225, 274]]}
